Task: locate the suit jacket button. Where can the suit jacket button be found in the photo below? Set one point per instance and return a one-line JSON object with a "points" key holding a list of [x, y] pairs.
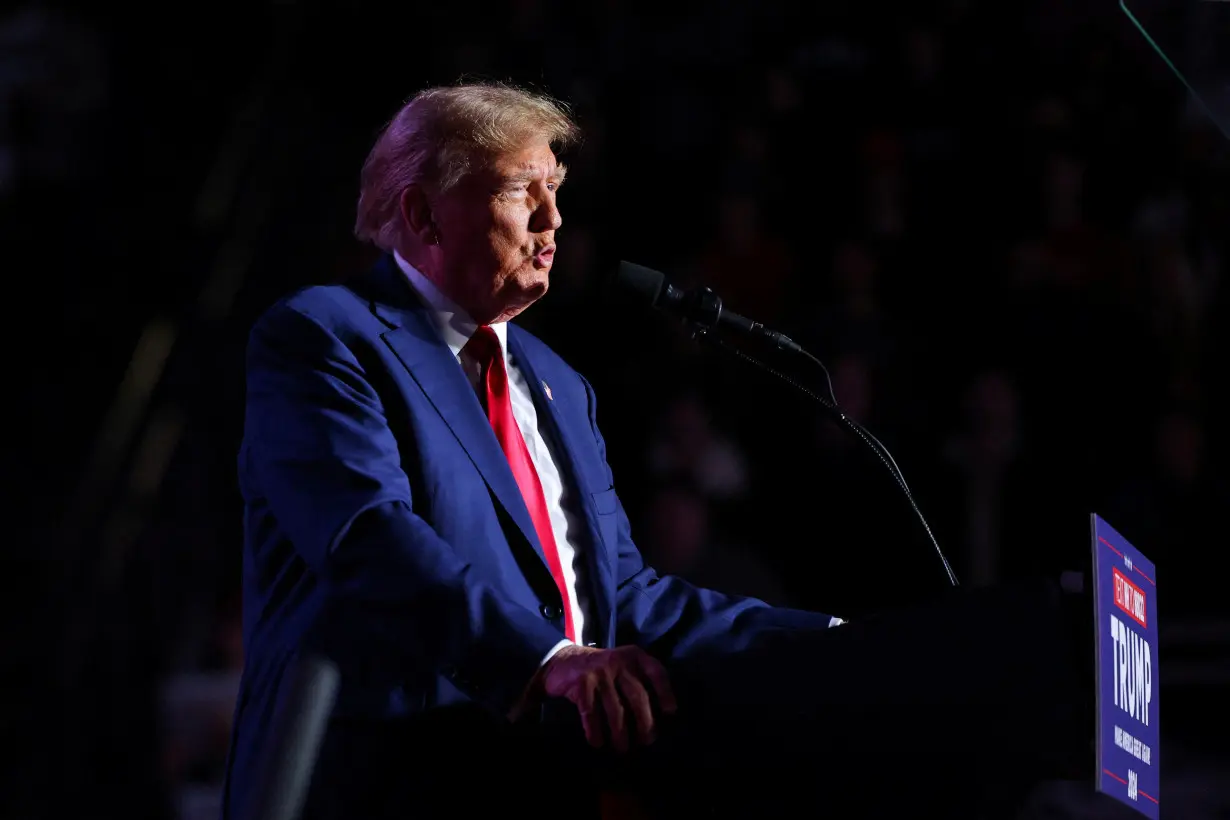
{"points": [[549, 611]]}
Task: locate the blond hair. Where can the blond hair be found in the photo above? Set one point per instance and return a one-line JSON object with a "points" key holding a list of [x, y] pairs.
{"points": [[442, 134]]}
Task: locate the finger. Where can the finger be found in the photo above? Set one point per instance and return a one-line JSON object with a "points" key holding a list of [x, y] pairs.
{"points": [[591, 721], [656, 674], [637, 699], [616, 717]]}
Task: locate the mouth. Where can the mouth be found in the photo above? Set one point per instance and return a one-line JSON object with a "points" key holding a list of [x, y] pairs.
{"points": [[544, 257]]}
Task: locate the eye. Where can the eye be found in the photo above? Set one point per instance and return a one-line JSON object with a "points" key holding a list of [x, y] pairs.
{"points": [[512, 192]]}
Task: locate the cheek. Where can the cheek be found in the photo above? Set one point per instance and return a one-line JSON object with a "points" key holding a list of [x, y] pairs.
{"points": [[509, 237]]}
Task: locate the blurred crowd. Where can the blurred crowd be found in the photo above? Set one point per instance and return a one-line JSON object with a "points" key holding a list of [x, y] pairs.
{"points": [[1005, 232]]}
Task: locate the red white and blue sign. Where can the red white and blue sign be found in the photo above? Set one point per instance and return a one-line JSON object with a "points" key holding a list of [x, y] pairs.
{"points": [[1125, 611]]}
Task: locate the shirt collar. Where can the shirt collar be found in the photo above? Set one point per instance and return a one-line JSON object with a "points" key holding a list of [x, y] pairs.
{"points": [[455, 325]]}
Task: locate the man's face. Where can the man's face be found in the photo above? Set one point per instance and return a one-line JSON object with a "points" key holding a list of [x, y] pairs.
{"points": [[496, 233]]}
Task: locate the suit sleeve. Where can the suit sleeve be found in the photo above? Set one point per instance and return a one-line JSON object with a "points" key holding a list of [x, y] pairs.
{"points": [[674, 619], [322, 454]]}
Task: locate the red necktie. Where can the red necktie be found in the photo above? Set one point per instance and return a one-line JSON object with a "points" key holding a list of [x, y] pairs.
{"points": [[484, 346]]}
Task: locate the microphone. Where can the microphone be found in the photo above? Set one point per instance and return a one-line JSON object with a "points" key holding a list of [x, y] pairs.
{"points": [[702, 308], [697, 306]]}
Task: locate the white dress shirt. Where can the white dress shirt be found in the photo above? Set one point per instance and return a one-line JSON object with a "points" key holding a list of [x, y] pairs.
{"points": [[567, 521]]}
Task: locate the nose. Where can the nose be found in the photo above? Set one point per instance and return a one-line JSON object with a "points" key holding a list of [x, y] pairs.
{"points": [[547, 217]]}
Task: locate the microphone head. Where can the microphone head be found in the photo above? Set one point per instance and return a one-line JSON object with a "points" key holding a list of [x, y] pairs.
{"points": [[644, 284]]}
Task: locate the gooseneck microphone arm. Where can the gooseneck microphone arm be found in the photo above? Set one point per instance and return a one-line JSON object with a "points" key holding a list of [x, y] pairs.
{"points": [[848, 424], [702, 312]]}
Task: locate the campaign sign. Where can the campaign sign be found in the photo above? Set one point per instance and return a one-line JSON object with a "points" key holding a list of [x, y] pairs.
{"points": [[1125, 611]]}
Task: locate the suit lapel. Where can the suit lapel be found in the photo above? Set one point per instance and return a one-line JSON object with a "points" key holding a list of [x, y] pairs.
{"points": [[601, 568], [415, 340]]}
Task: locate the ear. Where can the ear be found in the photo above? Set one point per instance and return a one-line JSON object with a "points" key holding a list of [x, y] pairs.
{"points": [[417, 216]]}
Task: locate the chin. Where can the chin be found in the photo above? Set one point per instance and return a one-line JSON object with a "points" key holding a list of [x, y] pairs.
{"points": [[535, 281], [522, 291], [530, 293]]}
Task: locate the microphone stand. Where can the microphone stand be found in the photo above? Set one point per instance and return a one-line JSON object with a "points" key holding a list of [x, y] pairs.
{"points": [[704, 333]]}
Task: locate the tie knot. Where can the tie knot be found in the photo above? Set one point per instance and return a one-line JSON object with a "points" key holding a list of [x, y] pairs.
{"points": [[484, 345]]}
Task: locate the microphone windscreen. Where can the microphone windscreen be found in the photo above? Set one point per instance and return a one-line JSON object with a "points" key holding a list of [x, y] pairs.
{"points": [[642, 283]]}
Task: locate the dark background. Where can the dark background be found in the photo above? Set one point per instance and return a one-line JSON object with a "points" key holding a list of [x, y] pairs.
{"points": [[1002, 226]]}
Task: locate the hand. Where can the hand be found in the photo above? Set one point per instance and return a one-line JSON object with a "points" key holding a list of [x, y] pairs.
{"points": [[604, 685]]}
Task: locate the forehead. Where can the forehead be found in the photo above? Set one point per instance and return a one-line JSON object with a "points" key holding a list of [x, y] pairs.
{"points": [[534, 160]]}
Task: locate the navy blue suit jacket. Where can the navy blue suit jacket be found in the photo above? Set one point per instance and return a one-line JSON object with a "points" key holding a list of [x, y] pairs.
{"points": [[383, 524]]}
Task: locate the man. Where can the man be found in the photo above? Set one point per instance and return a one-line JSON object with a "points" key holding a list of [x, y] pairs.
{"points": [[428, 500], [428, 481]]}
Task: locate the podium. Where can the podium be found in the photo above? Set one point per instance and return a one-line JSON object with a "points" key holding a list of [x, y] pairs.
{"points": [[957, 708], [962, 706]]}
